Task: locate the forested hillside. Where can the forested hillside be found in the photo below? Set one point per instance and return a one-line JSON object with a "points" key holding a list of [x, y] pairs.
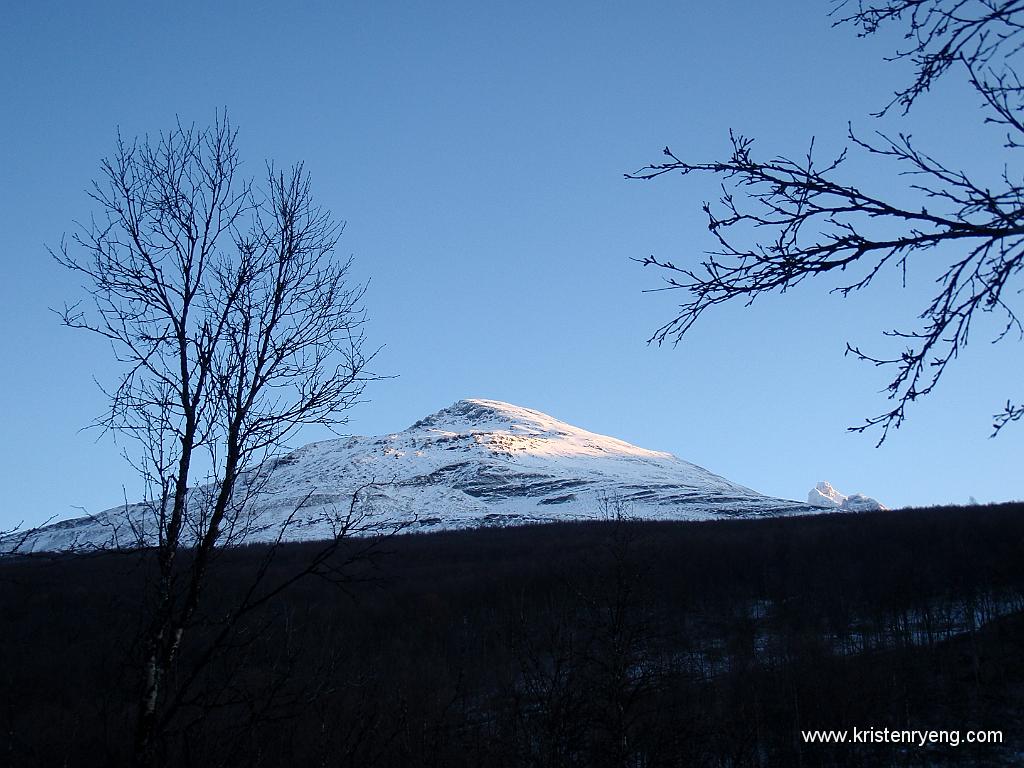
{"points": [[618, 643]]}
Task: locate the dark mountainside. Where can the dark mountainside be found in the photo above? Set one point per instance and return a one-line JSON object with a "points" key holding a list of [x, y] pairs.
{"points": [[613, 643]]}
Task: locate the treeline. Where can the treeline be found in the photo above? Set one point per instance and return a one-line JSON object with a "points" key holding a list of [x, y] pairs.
{"points": [[618, 643]]}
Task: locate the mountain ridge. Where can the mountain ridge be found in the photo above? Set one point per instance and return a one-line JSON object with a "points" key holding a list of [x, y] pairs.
{"points": [[477, 462]]}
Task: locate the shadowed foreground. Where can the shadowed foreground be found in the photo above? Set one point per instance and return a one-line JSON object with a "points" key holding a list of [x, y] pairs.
{"points": [[598, 644]]}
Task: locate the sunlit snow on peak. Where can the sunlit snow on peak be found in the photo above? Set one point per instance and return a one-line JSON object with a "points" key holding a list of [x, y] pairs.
{"points": [[512, 429]]}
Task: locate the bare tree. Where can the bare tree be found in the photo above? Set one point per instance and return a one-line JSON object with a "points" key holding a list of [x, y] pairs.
{"points": [[235, 325], [780, 221]]}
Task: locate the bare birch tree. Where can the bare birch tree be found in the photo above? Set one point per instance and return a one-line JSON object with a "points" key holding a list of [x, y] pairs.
{"points": [[235, 325]]}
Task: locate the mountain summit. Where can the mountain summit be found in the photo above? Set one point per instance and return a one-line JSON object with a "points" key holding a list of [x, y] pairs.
{"points": [[476, 462]]}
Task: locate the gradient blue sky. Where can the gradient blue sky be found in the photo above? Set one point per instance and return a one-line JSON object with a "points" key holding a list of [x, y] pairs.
{"points": [[476, 151]]}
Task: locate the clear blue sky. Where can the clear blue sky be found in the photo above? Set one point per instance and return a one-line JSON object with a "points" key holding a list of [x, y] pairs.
{"points": [[476, 151]]}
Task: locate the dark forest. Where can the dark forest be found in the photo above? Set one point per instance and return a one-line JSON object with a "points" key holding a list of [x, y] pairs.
{"points": [[619, 643]]}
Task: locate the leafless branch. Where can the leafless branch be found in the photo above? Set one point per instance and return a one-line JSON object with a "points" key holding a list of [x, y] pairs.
{"points": [[780, 221]]}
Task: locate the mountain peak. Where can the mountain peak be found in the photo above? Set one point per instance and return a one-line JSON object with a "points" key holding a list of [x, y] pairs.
{"points": [[515, 430], [483, 413], [471, 411]]}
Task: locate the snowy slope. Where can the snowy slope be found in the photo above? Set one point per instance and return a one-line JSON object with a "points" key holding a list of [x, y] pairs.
{"points": [[477, 462]]}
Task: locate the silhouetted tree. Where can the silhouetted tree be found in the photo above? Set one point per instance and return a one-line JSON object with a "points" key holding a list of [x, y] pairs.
{"points": [[235, 325], [780, 221]]}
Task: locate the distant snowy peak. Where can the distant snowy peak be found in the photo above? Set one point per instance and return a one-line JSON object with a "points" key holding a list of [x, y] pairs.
{"points": [[475, 463], [825, 496]]}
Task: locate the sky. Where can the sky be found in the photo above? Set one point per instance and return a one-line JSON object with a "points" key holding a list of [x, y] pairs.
{"points": [[476, 152]]}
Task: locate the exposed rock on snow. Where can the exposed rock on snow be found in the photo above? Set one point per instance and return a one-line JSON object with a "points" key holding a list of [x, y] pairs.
{"points": [[477, 462], [825, 496]]}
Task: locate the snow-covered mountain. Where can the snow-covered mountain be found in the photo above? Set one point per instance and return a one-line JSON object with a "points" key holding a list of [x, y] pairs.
{"points": [[477, 462], [826, 496]]}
